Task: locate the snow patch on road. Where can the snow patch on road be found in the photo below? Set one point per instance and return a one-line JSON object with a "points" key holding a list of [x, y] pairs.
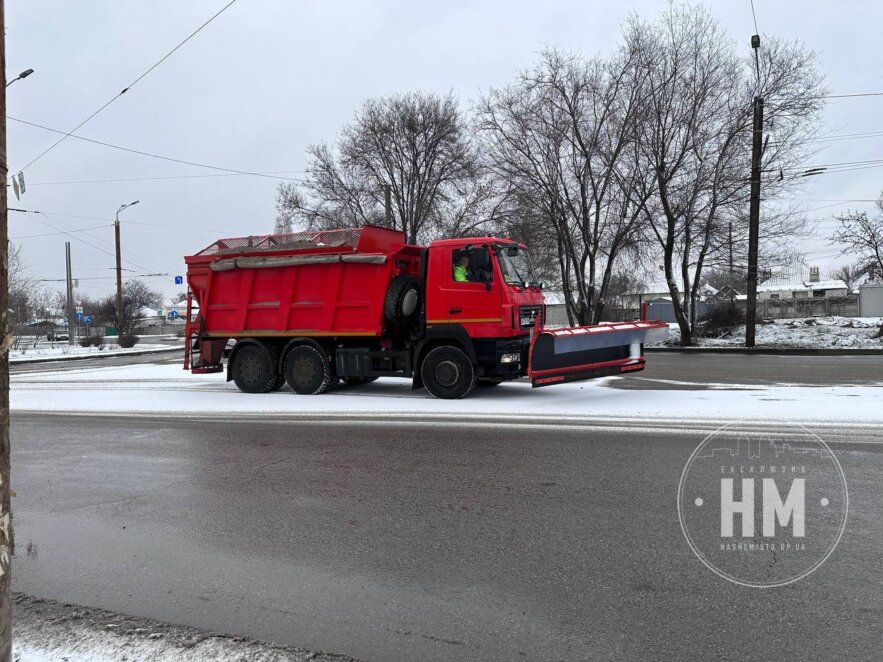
{"points": [[48, 631], [168, 389]]}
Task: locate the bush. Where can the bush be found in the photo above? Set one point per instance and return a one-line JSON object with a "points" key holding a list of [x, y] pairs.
{"points": [[85, 342], [97, 341], [126, 341], [721, 319]]}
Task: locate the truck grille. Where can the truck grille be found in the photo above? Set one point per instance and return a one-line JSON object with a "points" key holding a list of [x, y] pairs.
{"points": [[527, 316]]}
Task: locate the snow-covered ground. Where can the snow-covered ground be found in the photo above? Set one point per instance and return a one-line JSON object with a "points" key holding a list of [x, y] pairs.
{"points": [[808, 332], [61, 351], [48, 631], [168, 389]]}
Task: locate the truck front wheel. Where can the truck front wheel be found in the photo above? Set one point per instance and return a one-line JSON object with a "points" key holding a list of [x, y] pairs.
{"points": [[307, 371], [448, 373], [252, 370]]}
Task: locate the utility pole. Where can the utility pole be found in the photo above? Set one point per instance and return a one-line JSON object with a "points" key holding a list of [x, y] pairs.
{"points": [[5, 342], [732, 269], [70, 294], [116, 230], [387, 203], [754, 211]]}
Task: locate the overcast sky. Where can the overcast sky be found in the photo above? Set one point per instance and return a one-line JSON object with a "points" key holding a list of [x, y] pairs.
{"points": [[269, 77]]}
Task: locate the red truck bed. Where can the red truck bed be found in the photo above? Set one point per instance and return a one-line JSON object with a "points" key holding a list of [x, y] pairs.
{"points": [[315, 283]]}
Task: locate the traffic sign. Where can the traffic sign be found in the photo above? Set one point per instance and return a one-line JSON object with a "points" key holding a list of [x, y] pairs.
{"points": [[80, 317], [179, 280], [87, 320], [173, 314]]}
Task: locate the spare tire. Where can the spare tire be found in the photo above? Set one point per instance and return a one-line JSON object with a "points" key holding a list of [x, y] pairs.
{"points": [[402, 304]]}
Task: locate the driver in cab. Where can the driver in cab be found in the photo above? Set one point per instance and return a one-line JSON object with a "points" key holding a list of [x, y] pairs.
{"points": [[461, 269]]}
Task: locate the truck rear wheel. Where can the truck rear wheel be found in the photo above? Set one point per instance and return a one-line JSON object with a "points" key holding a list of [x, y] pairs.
{"points": [[307, 371], [402, 303], [448, 373], [252, 370]]}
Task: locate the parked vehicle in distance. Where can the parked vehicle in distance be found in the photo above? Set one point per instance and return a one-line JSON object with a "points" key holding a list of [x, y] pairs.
{"points": [[313, 308], [61, 335]]}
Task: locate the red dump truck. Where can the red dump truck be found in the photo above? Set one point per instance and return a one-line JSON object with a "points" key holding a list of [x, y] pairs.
{"points": [[313, 308]]}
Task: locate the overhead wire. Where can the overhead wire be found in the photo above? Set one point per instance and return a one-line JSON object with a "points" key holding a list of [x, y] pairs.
{"points": [[152, 155], [70, 133]]}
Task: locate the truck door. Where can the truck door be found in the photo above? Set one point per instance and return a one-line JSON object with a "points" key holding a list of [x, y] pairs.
{"points": [[474, 294]]}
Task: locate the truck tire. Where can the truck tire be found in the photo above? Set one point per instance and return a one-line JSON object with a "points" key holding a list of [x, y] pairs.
{"points": [[252, 370], [402, 303], [279, 383], [448, 373], [307, 370]]}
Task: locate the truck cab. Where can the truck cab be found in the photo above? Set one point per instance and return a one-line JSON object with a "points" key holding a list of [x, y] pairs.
{"points": [[483, 293]]}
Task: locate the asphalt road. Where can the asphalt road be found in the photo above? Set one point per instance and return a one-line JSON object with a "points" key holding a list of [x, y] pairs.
{"points": [[421, 542]]}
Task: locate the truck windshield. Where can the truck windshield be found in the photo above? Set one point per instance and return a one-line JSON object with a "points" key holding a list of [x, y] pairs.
{"points": [[516, 266]]}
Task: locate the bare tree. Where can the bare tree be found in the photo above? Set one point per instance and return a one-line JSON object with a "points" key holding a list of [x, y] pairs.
{"points": [[695, 138], [862, 235], [849, 273], [558, 136], [418, 145]]}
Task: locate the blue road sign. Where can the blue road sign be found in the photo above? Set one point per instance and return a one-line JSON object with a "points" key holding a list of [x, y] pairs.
{"points": [[179, 280], [173, 314], [87, 320], [79, 317]]}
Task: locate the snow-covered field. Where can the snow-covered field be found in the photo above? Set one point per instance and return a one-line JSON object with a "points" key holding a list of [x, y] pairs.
{"points": [[168, 389], [61, 351], [808, 332]]}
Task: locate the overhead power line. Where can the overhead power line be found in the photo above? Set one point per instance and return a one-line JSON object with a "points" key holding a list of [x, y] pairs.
{"points": [[70, 133], [151, 155], [50, 234], [162, 177], [214, 231]]}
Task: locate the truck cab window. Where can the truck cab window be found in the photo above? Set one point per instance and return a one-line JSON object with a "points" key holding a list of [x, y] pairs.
{"points": [[471, 265]]}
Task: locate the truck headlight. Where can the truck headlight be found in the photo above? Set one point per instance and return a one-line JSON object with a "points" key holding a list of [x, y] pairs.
{"points": [[513, 357]]}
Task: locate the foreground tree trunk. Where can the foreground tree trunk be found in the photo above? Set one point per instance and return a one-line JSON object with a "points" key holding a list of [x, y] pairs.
{"points": [[5, 341]]}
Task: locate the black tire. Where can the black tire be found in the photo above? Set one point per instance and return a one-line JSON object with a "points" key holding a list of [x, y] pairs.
{"points": [[487, 382], [402, 303], [252, 370], [448, 373], [279, 383], [307, 370]]}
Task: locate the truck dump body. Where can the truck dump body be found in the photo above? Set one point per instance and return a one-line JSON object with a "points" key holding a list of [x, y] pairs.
{"points": [[309, 283]]}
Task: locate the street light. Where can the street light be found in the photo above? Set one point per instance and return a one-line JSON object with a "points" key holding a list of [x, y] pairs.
{"points": [[116, 229], [23, 74]]}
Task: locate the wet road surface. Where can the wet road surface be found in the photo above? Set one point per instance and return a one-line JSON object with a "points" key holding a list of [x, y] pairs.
{"points": [[421, 542]]}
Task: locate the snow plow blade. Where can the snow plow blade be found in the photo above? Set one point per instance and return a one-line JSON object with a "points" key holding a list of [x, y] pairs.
{"points": [[585, 352]]}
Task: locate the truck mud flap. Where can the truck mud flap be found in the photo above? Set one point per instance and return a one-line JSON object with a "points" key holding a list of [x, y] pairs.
{"points": [[585, 352]]}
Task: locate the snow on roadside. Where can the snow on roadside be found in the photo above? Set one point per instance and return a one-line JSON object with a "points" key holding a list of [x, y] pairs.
{"points": [[61, 352], [168, 389], [48, 631], [807, 332]]}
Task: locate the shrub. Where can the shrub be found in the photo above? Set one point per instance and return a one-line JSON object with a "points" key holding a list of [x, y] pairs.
{"points": [[126, 341], [85, 342], [97, 341], [722, 318]]}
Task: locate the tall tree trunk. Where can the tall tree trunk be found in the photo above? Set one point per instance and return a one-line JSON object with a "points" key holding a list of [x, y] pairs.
{"points": [[5, 340]]}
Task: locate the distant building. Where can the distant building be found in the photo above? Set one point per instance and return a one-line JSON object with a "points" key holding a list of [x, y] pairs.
{"points": [[801, 285]]}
